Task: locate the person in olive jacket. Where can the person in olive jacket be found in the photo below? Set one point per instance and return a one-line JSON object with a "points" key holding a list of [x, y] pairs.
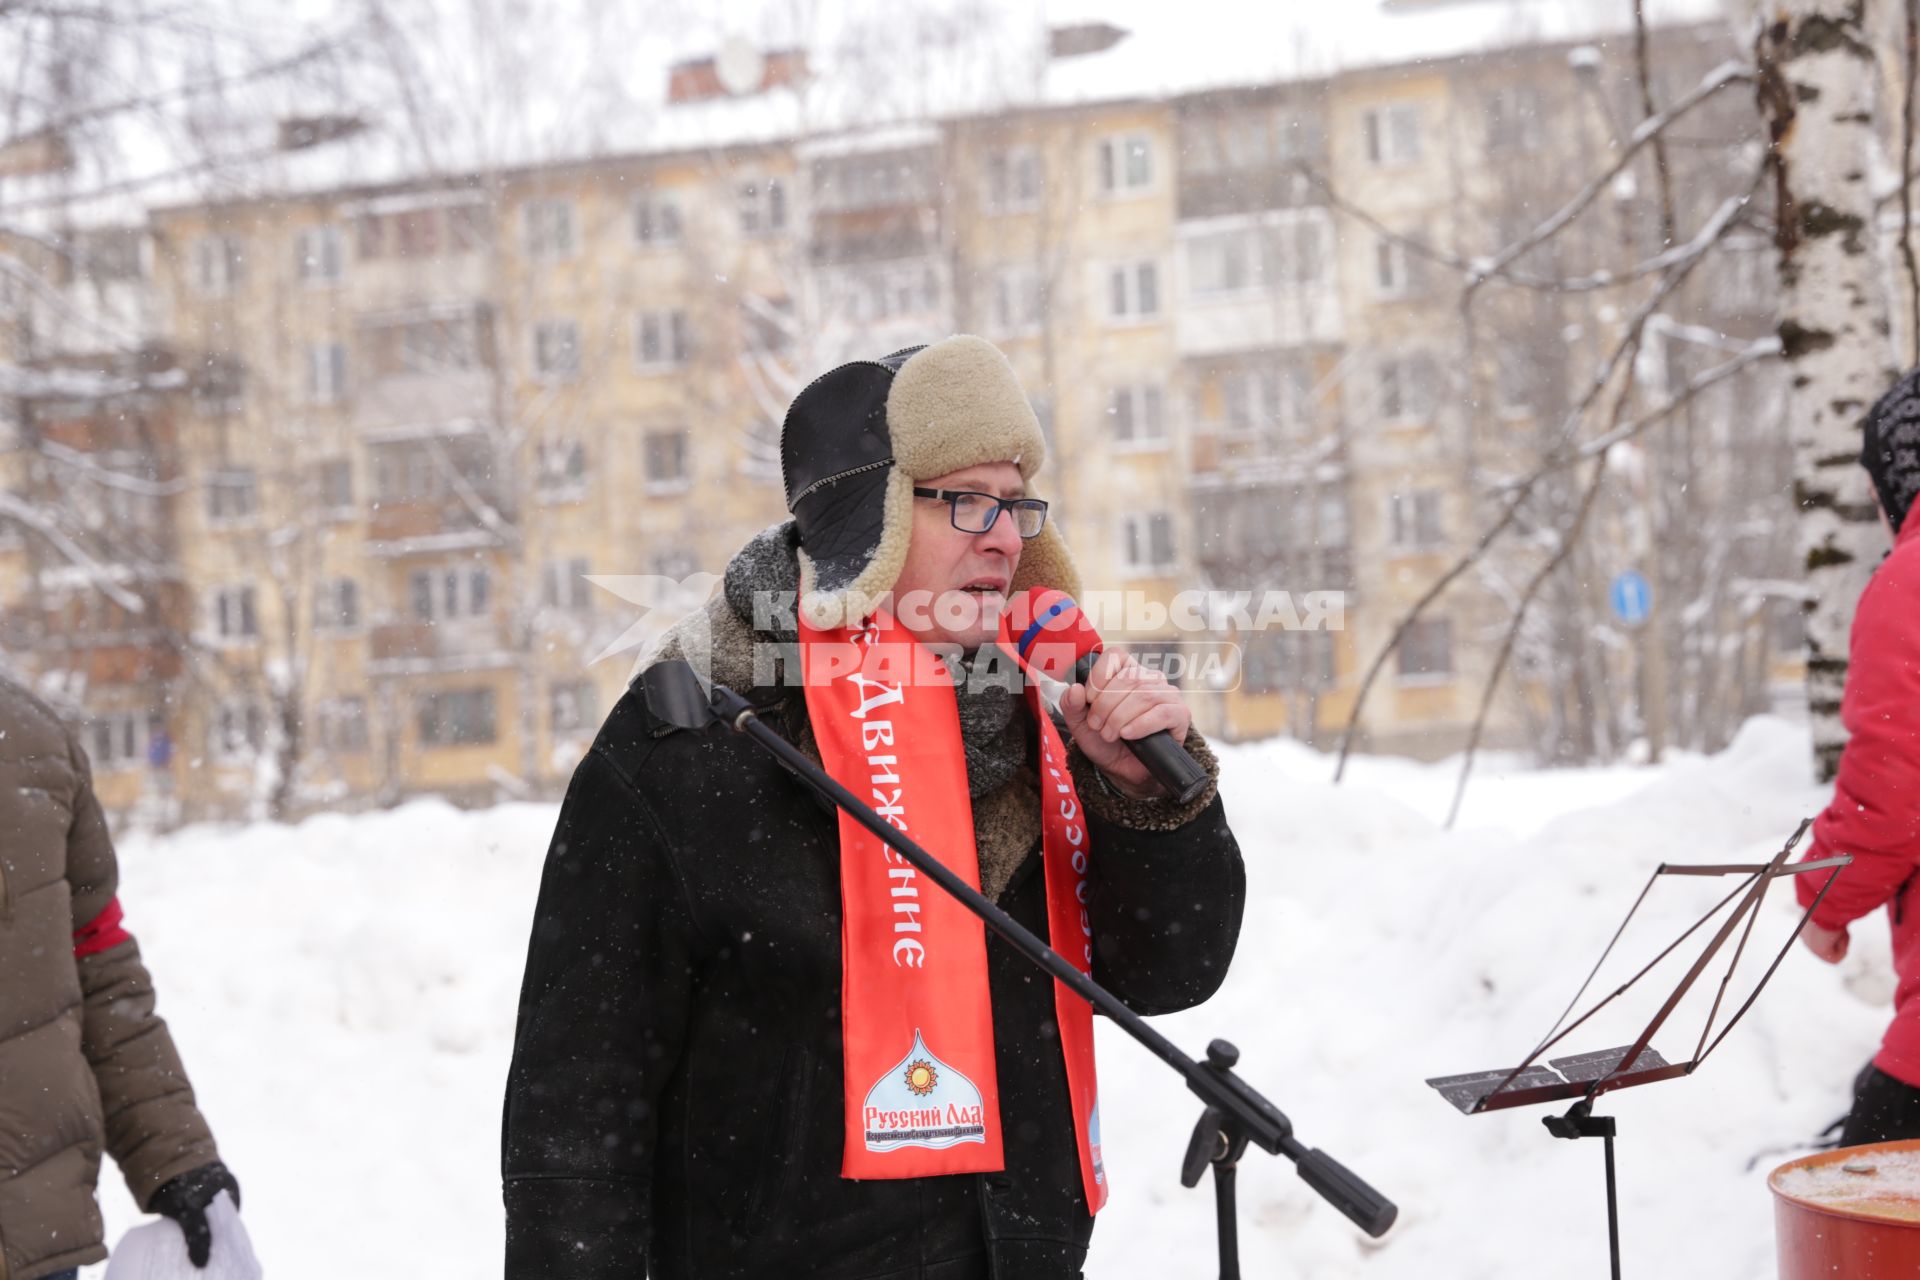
{"points": [[85, 1065], [680, 1101]]}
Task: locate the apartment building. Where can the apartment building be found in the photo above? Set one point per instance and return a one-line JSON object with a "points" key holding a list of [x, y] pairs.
{"points": [[409, 423]]}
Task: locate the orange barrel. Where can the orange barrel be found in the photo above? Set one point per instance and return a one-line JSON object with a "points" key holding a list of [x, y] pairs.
{"points": [[1852, 1213]]}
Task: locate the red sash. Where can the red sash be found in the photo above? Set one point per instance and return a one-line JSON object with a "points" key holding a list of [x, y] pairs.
{"points": [[922, 1094]]}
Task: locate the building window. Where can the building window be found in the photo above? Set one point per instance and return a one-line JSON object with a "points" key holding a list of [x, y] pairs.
{"points": [[1426, 652], [564, 585], [335, 482], [1514, 120], [408, 471], [668, 468], [1133, 291], [875, 294], [1276, 661], [660, 339], [1404, 389], [572, 707], [424, 232], [319, 255], [1274, 402], [763, 207], [1789, 628], [1147, 542], [237, 732], [326, 373], [219, 265], [1415, 520], [232, 495], [1013, 179], [438, 595], [456, 718], [219, 385], [1393, 135], [234, 615], [548, 228], [656, 220], [1513, 383], [336, 605], [1019, 300], [556, 350], [560, 470], [1225, 262], [341, 725], [426, 345], [1392, 277], [892, 179], [111, 255], [1286, 254], [1126, 164], [118, 739], [1137, 415]]}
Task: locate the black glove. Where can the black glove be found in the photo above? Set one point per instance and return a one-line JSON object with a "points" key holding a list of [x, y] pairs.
{"points": [[185, 1200]]}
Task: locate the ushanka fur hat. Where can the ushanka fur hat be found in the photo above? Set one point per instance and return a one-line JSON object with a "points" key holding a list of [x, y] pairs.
{"points": [[857, 440]]}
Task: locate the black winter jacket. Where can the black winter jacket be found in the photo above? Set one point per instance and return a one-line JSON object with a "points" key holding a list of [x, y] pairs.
{"points": [[674, 1103]]}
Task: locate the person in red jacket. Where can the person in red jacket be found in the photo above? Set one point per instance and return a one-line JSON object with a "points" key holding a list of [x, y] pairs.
{"points": [[1875, 813]]}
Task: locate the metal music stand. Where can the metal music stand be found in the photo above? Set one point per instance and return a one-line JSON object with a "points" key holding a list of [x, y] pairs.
{"points": [[1585, 1076]]}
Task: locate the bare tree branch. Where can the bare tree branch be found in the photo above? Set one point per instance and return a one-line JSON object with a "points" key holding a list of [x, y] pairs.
{"points": [[97, 574], [1685, 261], [180, 92], [108, 477], [1559, 557], [1728, 73], [1643, 70]]}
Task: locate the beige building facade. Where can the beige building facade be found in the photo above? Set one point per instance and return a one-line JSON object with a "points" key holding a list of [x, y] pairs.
{"points": [[411, 425]]}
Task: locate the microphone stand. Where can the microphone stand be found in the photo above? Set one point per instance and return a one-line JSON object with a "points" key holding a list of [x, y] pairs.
{"points": [[1236, 1114]]}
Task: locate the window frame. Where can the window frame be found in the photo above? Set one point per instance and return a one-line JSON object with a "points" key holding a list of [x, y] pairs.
{"points": [[326, 267], [223, 281], [549, 229], [1422, 634], [679, 483], [1392, 135], [1136, 535], [226, 480], [1128, 274], [1145, 417], [479, 700], [660, 209], [1114, 176], [675, 333], [539, 337]]}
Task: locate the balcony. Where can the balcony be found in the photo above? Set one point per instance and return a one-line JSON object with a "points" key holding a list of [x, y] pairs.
{"points": [[427, 526], [875, 235], [1210, 195], [413, 647], [135, 657], [426, 366]]}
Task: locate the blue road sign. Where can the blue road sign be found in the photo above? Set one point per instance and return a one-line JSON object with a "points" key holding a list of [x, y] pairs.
{"points": [[1631, 597]]}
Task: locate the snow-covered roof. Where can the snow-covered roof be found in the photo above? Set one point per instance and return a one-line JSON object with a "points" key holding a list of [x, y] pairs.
{"points": [[1174, 49], [445, 93]]}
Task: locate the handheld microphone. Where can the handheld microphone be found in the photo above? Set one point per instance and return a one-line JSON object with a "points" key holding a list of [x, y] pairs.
{"points": [[1055, 639]]}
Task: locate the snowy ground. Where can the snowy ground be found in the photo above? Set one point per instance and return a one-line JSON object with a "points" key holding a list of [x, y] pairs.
{"points": [[343, 992]]}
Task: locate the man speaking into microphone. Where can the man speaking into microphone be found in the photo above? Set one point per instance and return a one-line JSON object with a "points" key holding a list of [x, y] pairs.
{"points": [[752, 1040]]}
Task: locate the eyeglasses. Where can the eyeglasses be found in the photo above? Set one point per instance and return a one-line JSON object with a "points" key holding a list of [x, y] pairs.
{"points": [[976, 512]]}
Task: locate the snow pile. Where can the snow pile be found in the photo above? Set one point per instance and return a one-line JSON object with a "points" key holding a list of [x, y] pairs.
{"points": [[343, 992]]}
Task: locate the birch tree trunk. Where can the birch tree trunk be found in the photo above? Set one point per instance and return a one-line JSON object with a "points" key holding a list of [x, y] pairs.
{"points": [[1818, 90]]}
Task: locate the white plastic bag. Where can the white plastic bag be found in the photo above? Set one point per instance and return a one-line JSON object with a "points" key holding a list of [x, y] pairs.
{"points": [[157, 1250]]}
